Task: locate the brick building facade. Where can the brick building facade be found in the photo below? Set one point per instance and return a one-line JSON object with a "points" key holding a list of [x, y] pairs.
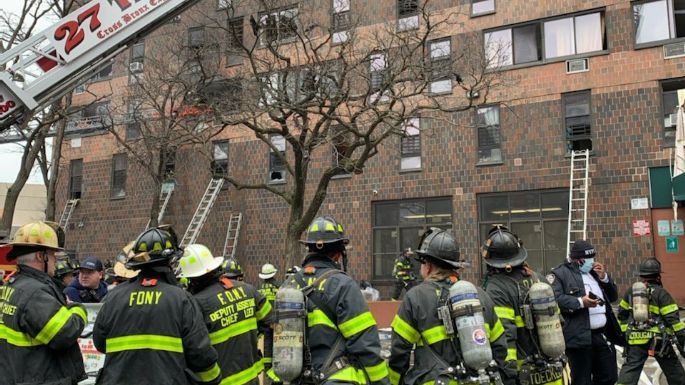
{"points": [[516, 172]]}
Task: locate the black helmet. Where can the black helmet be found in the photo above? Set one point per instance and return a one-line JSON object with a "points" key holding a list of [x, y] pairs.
{"points": [[650, 266], [503, 248], [232, 268], [153, 246], [63, 267], [439, 245], [323, 231], [582, 249]]}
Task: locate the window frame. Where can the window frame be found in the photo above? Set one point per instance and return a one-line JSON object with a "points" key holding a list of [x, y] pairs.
{"points": [[412, 141], [668, 133], [113, 176], [446, 59], [272, 161], [485, 13], [341, 22], [338, 137], [403, 23], [564, 97], [72, 179], [654, 43], [222, 163], [499, 131], [203, 40], [231, 44], [541, 43], [264, 40]]}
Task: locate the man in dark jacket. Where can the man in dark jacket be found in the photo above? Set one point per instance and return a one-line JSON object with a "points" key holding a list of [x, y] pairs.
{"points": [[269, 286], [234, 312], [403, 273], [418, 324], [89, 287], [38, 330], [584, 292], [662, 323], [151, 330], [341, 330]]}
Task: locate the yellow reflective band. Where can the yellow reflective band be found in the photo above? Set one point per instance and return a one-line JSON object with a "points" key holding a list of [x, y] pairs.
{"points": [[233, 330], [496, 332], [357, 324], [624, 327], [318, 317], [435, 334], [144, 341], [272, 375], [505, 312], [377, 372], [624, 305], [267, 360], [209, 375], [511, 355], [349, 374], [668, 309], [678, 326], [314, 227], [16, 338], [519, 322], [53, 326], [79, 311], [450, 382], [394, 377], [244, 376], [404, 330], [654, 309], [329, 226], [264, 311]]}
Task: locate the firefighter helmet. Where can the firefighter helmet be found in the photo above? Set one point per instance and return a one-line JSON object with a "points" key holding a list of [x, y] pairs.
{"points": [[32, 237], [59, 231], [268, 271], [439, 245], [63, 267], [232, 268], [153, 246], [324, 231], [197, 261], [120, 271], [503, 248], [650, 266]]}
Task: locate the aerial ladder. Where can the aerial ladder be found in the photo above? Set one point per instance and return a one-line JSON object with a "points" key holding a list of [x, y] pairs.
{"points": [[577, 198], [48, 65]]}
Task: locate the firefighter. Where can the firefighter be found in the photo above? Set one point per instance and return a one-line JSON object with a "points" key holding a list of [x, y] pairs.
{"points": [[250, 313], [268, 286], [341, 331], [508, 280], [38, 329], [403, 274], [64, 272], [418, 324], [232, 269], [151, 330], [653, 336]]}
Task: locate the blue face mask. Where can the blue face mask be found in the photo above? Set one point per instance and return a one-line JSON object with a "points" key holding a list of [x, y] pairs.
{"points": [[587, 265]]}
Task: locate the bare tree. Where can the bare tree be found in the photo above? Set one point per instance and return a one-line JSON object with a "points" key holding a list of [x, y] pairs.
{"points": [[346, 90]]}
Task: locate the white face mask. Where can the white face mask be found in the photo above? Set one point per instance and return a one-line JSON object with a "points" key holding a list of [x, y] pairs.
{"points": [[587, 265]]}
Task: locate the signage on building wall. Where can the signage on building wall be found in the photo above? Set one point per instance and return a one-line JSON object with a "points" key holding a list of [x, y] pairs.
{"points": [[677, 227], [664, 227], [672, 244], [639, 203], [641, 227]]}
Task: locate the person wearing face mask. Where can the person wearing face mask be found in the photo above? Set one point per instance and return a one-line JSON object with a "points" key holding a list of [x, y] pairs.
{"points": [[584, 291]]}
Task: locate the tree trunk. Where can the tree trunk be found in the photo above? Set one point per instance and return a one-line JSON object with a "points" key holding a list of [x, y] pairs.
{"points": [[51, 187], [154, 210]]}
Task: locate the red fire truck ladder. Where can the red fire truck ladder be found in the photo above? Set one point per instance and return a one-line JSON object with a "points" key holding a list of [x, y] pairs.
{"points": [[46, 66]]}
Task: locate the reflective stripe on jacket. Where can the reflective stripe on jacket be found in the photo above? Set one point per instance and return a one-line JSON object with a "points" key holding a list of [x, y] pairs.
{"points": [[662, 309], [151, 332], [38, 332], [269, 288]]}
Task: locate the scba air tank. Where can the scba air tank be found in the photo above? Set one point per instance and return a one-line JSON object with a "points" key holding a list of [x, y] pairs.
{"points": [[288, 340], [640, 302], [547, 321], [467, 313]]}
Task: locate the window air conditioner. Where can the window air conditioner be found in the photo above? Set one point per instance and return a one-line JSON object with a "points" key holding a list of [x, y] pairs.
{"points": [[674, 50], [577, 65], [135, 66]]}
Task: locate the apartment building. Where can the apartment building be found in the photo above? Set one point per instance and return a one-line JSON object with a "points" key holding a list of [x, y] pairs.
{"points": [[603, 76]]}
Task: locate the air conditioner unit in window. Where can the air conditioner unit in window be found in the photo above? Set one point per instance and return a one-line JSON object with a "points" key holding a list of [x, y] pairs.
{"points": [[577, 65], [674, 50], [135, 67]]}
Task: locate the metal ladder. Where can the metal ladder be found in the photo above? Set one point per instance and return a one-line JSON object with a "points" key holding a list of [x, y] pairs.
{"points": [[66, 214], [577, 197], [164, 198], [200, 216], [232, 235]]}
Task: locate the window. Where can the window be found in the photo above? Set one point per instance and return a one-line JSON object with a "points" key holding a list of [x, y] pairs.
{"points": [[220, 158], [75, 178], [276, 162], [196, 37], [137, 58], [169, 164], [441, 65], [224, 95], [410, 145], [342, 21], [398, 225], [482, 7], [407, 14], [104, 73], [340, 141], [539, 218], [562, 37], [279, 26], [672, 96], [234, 42], [658, 20], [377, 68], [79, 89], [118, 181], [576, 108], [223, 4], [489, 139], [133, 119]]}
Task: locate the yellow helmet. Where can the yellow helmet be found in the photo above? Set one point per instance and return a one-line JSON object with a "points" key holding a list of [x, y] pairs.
{"points": [[32, 237]]}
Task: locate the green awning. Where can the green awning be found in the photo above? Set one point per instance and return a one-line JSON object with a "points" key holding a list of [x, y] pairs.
{"points": [[660, 187], [679, 187]]}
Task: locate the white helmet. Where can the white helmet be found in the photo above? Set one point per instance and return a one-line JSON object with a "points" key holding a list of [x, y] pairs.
{"points": [[268, 271], [197, 261]]}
